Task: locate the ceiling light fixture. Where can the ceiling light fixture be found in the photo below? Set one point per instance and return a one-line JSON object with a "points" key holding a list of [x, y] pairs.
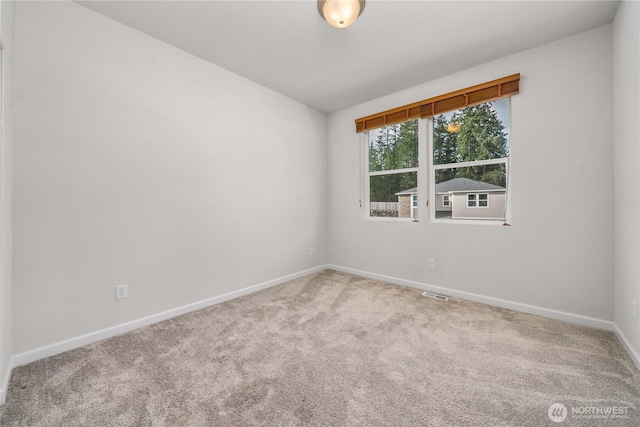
{"points": [[340, 13]]}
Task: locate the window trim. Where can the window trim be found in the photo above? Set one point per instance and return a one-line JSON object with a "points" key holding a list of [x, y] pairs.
{"points": [[366, 176], [431, 168], [426, 179], [476, 201], [448, 200]]}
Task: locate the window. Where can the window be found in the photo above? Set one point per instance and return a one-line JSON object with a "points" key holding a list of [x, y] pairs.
{"points": [[393, 170], [468, 167], [461, 139], [478, 200], [469, 162]]}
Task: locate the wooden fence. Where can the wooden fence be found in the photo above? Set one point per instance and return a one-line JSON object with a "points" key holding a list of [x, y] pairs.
{"points": [[384, 206]]}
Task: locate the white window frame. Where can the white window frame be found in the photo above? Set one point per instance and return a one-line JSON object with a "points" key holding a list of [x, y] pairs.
{"points": [[432, 187], [446, 202], [426, 179], [414, 206], [476, 203], [432, 178], [421, 171], [486, 197]]}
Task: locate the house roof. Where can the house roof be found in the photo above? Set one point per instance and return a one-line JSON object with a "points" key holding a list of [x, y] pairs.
{"points": [[465, 184], [456, 185], [413, 190]]}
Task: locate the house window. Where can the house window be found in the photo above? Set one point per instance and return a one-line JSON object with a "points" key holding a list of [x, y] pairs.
{"points": [[467, 154], [392, 175], [414, 207], [478, 200], [470, 162], [467, 167]]}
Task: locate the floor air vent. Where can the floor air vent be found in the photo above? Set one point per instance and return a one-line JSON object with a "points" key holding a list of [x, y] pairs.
{"points": [[435, 296]]}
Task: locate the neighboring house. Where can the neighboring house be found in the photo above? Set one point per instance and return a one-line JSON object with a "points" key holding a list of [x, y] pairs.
{"points": [[465, 198], [458, 198], [408, 203]]}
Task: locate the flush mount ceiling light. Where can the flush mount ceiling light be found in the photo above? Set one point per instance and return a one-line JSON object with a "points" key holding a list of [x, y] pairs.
{"points": [[340, 13]]}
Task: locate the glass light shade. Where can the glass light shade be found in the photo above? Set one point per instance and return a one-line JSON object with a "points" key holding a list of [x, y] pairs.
{"points": [[340, 13]]}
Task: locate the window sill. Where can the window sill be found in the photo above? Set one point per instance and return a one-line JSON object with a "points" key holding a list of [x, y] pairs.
{"points": [[389, 219], [492, 222]]}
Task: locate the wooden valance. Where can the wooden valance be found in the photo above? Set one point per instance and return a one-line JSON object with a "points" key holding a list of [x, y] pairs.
{"points": [[477, 94]]}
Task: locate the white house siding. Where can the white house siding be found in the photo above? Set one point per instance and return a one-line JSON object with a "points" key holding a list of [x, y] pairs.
{"points": [[495, 210], [439, 205]]}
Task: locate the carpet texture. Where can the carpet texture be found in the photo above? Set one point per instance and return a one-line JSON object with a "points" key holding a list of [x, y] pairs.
{"points": [[336, 350]]}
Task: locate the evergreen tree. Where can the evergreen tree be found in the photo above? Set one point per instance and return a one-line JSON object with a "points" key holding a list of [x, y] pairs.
{"points": [[477, 134], [444, 147], [395, 147], [472, 133]]}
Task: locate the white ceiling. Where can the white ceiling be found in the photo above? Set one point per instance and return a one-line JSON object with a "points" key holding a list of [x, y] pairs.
{"points": [[395, 44]]}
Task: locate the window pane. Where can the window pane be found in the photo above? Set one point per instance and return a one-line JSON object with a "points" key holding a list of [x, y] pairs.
{"points": [[391, 195], [492, 175], [394, 147], [478, 132], [463, 186]]}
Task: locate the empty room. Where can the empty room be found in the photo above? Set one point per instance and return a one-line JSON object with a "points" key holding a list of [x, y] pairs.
{"points": [[303, 212]]}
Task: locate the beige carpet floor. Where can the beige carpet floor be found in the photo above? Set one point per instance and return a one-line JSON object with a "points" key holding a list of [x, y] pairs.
{"points": [[334, 349]]}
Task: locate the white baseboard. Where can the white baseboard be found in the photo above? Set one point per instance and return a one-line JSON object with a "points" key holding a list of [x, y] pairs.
{"points": [[76, 342], [5, 383], [625, 343], [526, 308], [72, 343]]}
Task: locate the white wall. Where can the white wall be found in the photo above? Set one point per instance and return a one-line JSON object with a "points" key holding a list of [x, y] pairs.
{"points": [[6, 348], [561, 137], [137, 163], [626, 109]]}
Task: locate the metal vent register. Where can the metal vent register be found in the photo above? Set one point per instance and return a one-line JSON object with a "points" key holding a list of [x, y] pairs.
{"points": [[435, 296]]}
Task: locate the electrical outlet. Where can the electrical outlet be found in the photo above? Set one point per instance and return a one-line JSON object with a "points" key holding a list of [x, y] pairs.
{"points": [[634, 310], [432, 263], [310, 251], [121, 291]]}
